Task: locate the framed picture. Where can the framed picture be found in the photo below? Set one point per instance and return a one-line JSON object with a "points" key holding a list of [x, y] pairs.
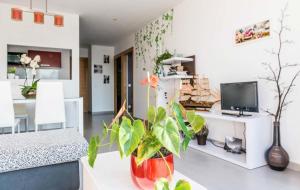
{"points": [[253, 32], [106, 59], [98, 69], [106, 79]]}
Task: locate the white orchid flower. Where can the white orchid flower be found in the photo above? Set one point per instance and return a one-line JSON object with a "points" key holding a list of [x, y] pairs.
{"points": [[37, 58], [34, 64], [27, 60]]}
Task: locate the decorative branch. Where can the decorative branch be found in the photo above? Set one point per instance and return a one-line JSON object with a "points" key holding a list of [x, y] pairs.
{"points": [[282, 91]]}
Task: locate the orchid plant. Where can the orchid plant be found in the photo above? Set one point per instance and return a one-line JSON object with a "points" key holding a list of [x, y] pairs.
{"points": [[157, 136], [29, 90]]}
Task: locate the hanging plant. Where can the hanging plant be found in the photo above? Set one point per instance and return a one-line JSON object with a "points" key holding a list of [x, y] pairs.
{"points": [[152, 36]]}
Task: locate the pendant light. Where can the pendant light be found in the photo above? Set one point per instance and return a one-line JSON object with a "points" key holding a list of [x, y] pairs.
{"points": [[58, 20], [16, 14], [38, 17]]}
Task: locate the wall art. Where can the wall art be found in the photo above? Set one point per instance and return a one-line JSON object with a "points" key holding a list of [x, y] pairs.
{"points": [[253, 32]]}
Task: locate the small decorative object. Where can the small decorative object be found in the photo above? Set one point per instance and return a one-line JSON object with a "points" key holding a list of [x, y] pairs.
{"points": [[98, 69], [11, 72], [29, 91], [106, 79], [152, 143], [106, 59], [277, 157], [256, 31], [157, 70], [233, 145], [202, 136], [196, 93]]}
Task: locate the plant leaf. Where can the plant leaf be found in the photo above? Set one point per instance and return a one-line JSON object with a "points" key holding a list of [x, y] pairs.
{"points": [[147, 149], [93, 150], [162, 184], [197, 122], [114, 133], [179, 118], [130, 135], [168, 135], [183, 185], [161, 114], [151, 114]]}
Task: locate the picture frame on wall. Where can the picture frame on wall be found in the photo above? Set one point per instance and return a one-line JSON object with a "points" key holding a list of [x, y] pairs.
{"points": [[253, 32], [98, 69], [106, 59], [106, 79]]}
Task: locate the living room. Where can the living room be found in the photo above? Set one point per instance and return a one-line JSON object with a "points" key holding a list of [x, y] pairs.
{"points": [[232, 66]]}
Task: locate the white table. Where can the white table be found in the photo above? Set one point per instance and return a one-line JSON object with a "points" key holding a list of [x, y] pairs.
{"points": [[78, 103], [112, 173]]}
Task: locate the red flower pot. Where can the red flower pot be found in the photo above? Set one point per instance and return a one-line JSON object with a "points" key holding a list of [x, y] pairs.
{"points": [[145, 175]]}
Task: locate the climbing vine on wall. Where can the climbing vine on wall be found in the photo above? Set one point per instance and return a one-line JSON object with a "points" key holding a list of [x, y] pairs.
{"points": [[151, 37]]}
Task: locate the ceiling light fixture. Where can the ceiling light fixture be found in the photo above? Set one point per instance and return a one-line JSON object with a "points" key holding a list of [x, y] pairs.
{"points": [[58, 20], [39, 17], [16, 14]]}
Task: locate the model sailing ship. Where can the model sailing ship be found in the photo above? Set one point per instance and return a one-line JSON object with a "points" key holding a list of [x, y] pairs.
{"points": [[196, 93]]}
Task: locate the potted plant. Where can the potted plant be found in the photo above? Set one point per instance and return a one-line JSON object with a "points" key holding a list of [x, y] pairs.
{"points": [[202, 136], [29, 91], [151, 143], [158, 62], [276, 156], [11, 72]]}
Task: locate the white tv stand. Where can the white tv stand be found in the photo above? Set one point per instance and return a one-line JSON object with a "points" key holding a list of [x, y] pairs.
{"points": [[258, 135]]}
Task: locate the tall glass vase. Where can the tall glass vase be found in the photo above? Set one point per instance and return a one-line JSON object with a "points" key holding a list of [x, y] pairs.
{"points": [[277, 157]]}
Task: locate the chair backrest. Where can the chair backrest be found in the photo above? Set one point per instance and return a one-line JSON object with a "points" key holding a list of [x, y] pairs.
{"points": [[7, 115], [50, 106]]}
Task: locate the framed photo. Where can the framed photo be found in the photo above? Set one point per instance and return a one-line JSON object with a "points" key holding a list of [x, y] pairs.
{"points": [[106, 59], [98, 69], [253, 32], [106, 79]]}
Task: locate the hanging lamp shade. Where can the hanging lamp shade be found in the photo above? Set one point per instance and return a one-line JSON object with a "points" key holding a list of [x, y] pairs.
{"points": [[16, 14], [58, 20], [39, 17]]}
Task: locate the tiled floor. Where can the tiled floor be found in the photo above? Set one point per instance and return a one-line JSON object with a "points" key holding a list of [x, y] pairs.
{"points": [[214, 173]]}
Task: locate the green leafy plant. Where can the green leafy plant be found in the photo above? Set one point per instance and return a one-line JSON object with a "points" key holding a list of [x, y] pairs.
{"points": [[163, 184], [28, 90], [158, 136], [159, 59], [11, 70]]}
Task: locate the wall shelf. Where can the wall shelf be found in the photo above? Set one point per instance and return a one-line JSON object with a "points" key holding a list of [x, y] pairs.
{"points": [[176, 77], [177, 60]]}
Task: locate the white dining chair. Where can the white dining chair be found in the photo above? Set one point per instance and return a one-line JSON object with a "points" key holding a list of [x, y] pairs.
{"points": [[50, 106], [7, 114]]}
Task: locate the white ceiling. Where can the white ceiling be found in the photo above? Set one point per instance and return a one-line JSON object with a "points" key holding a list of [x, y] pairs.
{"points": [[97, 25]]}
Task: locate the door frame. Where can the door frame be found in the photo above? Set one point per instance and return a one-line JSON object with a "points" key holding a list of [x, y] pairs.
{"points": [[122, 56]]}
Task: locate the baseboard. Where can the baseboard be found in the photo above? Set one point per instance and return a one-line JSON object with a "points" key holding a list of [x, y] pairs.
{"points": [[294, 166], [103, 113]]}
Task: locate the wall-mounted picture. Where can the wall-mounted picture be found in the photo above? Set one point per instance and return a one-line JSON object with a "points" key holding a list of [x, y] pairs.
{"points": [[106, 79], [106, 59], [253, 32], [98, 69]]}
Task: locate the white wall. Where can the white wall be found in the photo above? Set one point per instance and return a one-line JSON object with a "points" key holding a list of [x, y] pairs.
{"points": [[27, 33], [207, 28], [102, 94]]}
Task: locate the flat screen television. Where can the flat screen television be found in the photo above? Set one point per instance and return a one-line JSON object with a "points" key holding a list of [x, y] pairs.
{"points": [[242, 96]]}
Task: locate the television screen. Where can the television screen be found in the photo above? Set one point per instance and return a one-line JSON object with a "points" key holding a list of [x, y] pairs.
{"points": [[239, 96]]}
